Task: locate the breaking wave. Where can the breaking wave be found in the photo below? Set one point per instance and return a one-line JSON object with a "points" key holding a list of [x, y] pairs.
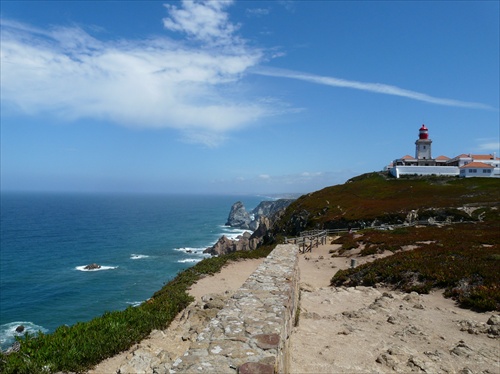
{"points": [[137, 257], [82, 268]]}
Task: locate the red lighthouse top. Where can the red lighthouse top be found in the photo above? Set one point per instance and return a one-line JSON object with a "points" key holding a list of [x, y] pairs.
{"points": [[423, 132]]}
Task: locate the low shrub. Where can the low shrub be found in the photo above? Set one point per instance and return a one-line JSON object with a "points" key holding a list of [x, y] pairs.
{"points": [[461, 258]]}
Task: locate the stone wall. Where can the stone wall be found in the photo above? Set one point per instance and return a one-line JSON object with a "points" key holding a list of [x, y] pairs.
{"points": [[252, 332]]}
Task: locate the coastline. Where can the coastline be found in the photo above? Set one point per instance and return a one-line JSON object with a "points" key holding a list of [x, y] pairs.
{"points": [[173, 340], [140, 241], [361, 329]]}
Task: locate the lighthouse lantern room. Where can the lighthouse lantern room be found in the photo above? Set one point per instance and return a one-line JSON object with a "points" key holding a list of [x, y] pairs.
{"points": [[423, 145]]}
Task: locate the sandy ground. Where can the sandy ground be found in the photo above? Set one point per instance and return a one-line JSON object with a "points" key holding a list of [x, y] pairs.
{"points": [[351, 330], [378, 330]]}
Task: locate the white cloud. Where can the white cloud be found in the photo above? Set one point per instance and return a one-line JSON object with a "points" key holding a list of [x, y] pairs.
{"points": [[366, 86], [205, 21], [153, 83]]}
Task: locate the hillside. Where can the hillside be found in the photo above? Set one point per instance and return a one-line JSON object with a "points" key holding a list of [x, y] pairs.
{"points": [[460, 254], [375, 198]]}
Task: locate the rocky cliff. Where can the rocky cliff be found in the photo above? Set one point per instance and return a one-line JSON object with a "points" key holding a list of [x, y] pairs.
{"points": [[259, 220], [240, 218]]}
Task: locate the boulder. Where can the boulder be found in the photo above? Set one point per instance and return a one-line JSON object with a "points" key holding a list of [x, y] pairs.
{"points": [[225, 245], [19, 328]]}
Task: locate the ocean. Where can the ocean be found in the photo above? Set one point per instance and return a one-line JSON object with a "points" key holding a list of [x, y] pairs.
{"points": [[140, 242]]}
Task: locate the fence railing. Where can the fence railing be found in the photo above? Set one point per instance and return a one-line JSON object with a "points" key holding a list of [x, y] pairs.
{"points": [[313, 238]]}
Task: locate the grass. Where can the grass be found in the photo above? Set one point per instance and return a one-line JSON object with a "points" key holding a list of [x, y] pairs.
{"points": [[79, 347], [463, 259]]}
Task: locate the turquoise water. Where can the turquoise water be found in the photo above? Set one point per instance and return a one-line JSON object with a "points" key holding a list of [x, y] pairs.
{"points": [[140, 241]]}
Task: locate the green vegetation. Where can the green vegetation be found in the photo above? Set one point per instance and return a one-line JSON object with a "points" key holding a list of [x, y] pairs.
{"points": [[463, 259], [375, 196], [79, 347]]}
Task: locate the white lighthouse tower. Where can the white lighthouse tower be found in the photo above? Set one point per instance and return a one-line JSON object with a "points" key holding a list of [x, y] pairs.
{"points": [[423, 145]]}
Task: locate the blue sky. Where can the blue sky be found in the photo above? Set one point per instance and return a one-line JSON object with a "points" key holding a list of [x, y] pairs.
{"points": [[239, 97]]}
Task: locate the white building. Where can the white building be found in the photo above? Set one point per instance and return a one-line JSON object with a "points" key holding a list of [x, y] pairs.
{"points": [[477, 169], [424, 164]]}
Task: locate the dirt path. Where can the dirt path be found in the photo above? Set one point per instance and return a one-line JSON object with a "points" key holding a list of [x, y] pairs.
{"points": [[375, 330]]}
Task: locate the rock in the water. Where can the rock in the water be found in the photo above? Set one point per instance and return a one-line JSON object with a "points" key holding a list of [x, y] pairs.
{"points": [[20, 328], [92, 266], [238, 216]]}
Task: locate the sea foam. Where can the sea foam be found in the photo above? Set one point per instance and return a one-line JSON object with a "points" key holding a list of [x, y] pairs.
{"points": [[82, 268], [8, 332], [189, 260], [137, 257]]}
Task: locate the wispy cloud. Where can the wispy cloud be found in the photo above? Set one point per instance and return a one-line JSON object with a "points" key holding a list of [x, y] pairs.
{"points": [[153, 83], [257, 12], [305, 181], [488, 145], [366, 86]]}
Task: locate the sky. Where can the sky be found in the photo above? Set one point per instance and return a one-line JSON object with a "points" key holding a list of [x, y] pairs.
{"points": [[239, 97]]}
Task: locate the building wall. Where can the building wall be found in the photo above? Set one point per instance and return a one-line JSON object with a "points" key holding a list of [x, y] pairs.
{"points": [[397, 171], [480, 172]]}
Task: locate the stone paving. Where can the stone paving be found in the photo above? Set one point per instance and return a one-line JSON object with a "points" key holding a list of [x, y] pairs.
{"points": [[251, 333]]}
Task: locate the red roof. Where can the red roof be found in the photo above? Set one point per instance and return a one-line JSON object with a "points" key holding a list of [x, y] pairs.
{"points": [[407, 157], [483, 157], [442, 158], [423, 128], [476, 165]]}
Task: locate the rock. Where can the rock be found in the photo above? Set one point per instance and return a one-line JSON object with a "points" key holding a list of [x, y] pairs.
{"points": [[259, 221], [20, 328], [238, 216], [462, 349], [306, 287], [270, 208], [255, 368], [392, 320], [142, 361], [267, 341], [225, 245], [466, 370], [494, 320], [92, 266], [387, 360], [212, 301], [472, 327], [13, 348]]}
